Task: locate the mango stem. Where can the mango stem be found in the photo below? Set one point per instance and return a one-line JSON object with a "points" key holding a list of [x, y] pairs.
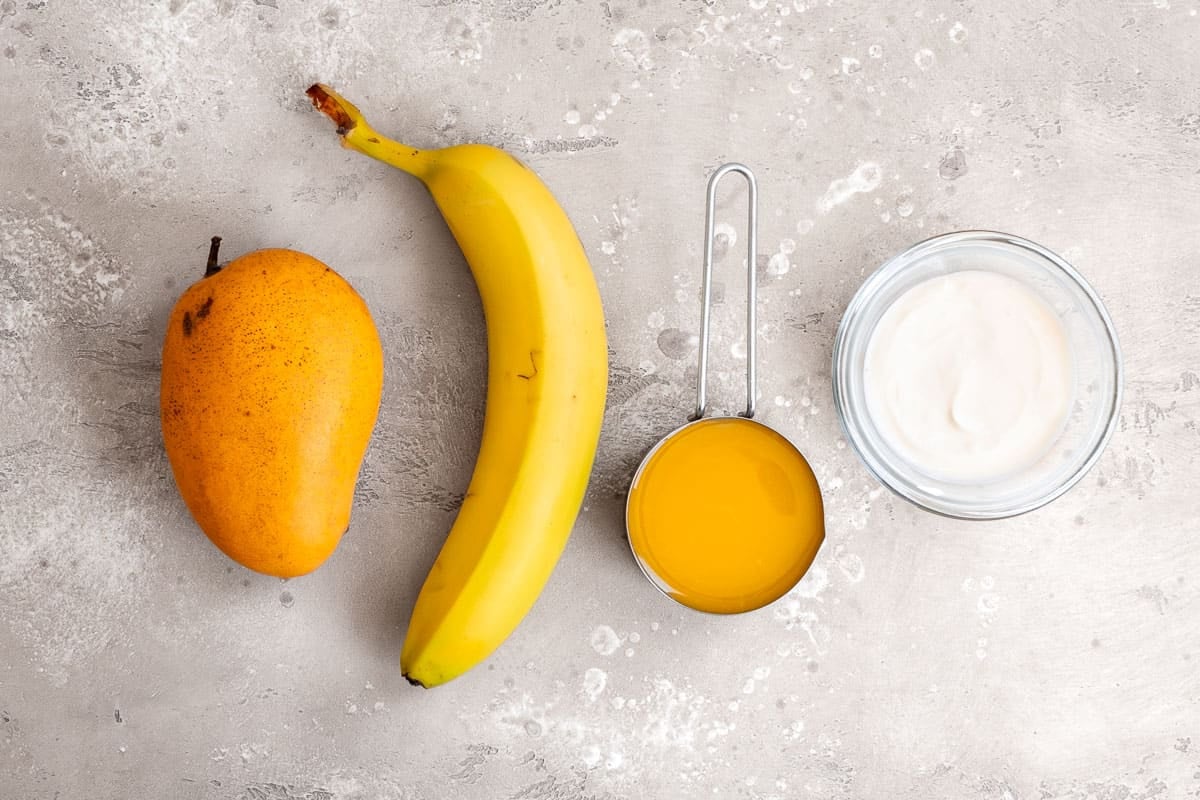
{"points": [[358, 135], [211, 268]]}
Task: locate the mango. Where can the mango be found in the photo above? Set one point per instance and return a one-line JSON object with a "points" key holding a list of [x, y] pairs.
{"points": [[272, 373]]}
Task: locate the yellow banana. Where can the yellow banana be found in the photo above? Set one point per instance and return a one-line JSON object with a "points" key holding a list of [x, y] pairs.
{"points": [[547, 380]]}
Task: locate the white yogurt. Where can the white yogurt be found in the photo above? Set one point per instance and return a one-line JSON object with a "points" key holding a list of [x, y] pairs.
{"points": [[968, 376]]}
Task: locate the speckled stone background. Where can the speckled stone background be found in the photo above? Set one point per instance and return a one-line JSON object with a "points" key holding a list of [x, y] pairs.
{"points": [[1052, 656]]}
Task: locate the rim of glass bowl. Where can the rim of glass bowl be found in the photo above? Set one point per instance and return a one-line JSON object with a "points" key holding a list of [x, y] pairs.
{"points": [[892, 478]]}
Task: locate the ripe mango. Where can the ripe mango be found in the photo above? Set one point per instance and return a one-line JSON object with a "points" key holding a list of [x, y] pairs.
{"points": [[272, 373]]}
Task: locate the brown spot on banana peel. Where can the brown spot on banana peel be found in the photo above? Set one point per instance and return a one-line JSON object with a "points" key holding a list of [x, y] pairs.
{"points": [[533, 362]]}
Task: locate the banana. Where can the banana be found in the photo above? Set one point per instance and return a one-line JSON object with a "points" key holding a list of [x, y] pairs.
{"points": [[547, 381]]}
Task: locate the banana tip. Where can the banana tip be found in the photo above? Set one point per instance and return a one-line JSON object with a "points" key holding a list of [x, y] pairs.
{"points": [[326, 101], [415, 682]]}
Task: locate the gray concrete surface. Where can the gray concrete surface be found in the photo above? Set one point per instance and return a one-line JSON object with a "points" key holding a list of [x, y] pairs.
{"points": [[1051, 656]]}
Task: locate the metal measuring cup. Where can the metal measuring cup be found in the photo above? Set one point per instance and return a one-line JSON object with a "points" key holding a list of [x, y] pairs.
{"points": [[722, 493]]}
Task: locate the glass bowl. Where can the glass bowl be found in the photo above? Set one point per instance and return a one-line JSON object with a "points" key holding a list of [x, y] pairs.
{"points": [[1095, 356]]}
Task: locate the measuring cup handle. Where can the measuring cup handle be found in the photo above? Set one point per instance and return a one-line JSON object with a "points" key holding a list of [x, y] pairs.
{"points": [[751, 288]]}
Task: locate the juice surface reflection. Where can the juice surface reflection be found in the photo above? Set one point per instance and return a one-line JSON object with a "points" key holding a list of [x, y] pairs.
{"points": [[725, 515]]}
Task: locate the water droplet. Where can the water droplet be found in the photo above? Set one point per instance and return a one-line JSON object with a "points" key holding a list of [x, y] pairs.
{"points": [[632, 48], [778, 265], [286, 599], [331, 17], [953, 165], [674, 343], [594, 681], [604, 640], [724, 237]]}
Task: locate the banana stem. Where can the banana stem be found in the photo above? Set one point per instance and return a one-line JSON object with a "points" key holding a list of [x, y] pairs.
{"points": [[358, 135]]}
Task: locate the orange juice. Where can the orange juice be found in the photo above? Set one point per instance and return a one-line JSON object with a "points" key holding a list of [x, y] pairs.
{"points": [[725, 515]]}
